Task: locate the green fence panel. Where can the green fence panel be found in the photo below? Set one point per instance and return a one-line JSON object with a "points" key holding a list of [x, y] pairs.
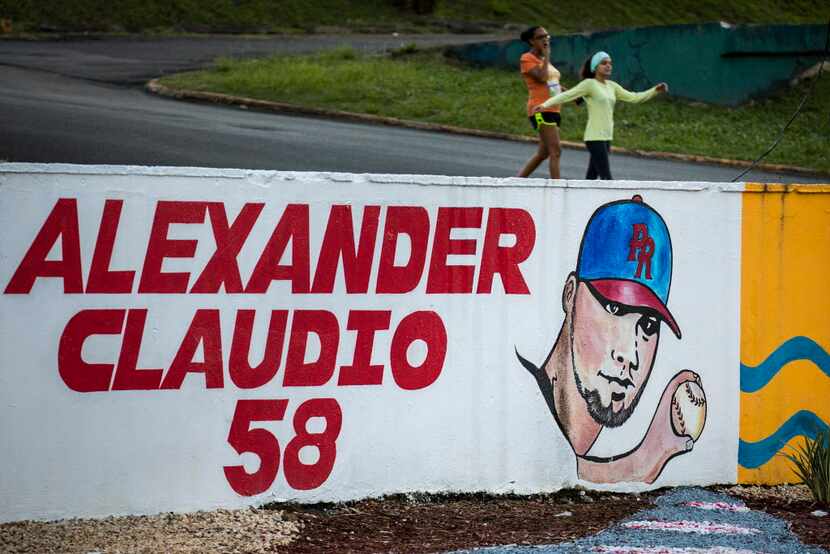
{"points": [[713, 62]]}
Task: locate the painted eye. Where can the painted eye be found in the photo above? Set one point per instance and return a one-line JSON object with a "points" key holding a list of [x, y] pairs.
{"points": [[649, 325], [612, 308]]}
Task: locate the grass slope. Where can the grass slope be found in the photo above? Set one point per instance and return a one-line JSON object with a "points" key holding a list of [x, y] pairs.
{"points": [[426, 87], [282, 15], [580, 16]]}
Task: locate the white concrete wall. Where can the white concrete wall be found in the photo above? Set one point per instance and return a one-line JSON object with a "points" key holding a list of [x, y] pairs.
{"points": [[481, 426]]}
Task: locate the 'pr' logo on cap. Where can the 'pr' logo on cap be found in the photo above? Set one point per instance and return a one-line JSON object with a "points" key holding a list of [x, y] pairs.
{"points": [[643, 246]]}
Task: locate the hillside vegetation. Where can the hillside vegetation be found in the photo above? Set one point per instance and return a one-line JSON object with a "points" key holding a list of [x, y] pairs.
{"points": [[262, 16]]}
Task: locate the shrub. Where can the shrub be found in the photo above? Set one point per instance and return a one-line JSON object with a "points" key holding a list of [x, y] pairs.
{"points": [[811, 463]]}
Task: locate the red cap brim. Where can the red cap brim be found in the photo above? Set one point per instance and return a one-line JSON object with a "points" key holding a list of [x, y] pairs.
{"points": [[632, 293]]}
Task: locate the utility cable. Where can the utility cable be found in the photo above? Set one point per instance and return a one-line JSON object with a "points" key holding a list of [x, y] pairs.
{"points": [[797, 111]]}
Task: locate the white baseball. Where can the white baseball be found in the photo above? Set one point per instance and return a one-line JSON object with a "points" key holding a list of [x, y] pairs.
{"points": [[688, 409]]}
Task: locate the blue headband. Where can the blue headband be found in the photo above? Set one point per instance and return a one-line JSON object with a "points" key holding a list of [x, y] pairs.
{"points": [[597, 58]]}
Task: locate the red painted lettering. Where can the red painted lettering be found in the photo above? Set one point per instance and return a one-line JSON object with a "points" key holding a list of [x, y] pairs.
{"points": [[127, 375], [160, 247], [242, 373], [445, 278], [259, 442], [77, 374], [203, 329], [101, 278], [301, 476], [298, 373], [505, 260], [222, 267], [293, 226], [338, 243], [643, 246], [362, 372], [265, 446], [62, 223], [428, 327], [414, 223]]}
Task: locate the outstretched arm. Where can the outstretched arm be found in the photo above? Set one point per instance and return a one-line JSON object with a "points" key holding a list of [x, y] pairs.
{"points": [[578, 91], [646, 461], [637, 97]]}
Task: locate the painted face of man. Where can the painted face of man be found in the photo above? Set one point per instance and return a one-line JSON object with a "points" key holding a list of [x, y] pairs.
{"points": [[613, 348]]}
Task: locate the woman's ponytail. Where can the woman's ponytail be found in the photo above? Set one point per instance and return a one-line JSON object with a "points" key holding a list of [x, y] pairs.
{"points": [[586, 72]]}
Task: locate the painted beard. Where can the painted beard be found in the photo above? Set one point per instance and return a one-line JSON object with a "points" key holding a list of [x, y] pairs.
{"points": [[605, 415]]}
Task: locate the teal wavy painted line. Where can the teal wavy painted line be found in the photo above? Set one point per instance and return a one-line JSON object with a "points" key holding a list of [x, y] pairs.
{"points": [[805, 423], [754, 378]]}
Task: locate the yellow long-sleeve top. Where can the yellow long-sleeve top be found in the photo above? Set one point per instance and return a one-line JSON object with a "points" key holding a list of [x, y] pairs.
{"points": [[600, 98]]}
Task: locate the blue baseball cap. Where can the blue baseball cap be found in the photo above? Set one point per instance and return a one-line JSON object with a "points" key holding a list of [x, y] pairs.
{"points": [[626, 256]]}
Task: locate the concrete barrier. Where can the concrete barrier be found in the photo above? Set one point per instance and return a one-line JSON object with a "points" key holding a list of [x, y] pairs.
{"points": [[174, 339]]}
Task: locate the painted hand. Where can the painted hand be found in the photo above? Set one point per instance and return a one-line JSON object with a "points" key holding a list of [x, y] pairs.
{"points": [[661, 442], [662, 87]]}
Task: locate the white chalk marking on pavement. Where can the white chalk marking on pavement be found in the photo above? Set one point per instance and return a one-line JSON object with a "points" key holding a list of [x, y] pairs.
{"points": [[670, 550], [721, 506], [701, 527]]}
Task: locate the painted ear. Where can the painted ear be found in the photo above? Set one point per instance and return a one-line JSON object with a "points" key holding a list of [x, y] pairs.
{"points": [[569, 293]]}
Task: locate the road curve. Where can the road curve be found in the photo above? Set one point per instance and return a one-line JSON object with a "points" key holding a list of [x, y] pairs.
{"points": [[80, 102]]}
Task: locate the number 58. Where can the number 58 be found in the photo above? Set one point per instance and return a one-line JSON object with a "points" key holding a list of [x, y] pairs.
{"points": [[265, 445]]}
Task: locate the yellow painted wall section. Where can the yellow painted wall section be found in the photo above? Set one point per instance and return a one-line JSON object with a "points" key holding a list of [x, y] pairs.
{"points": [[785, 325]]}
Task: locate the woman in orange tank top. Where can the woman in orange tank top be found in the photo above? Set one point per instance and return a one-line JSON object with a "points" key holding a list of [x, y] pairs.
{"points": [[542, 80]]}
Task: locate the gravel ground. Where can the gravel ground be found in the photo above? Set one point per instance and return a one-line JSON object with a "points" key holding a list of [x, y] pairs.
{"points": [[790, 493], [792, 503], [399, 523], [247, 530], [440, 523]]}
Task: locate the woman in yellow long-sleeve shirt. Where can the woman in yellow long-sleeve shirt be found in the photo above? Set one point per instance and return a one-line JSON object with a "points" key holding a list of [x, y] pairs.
{"points": [[600, 94]]}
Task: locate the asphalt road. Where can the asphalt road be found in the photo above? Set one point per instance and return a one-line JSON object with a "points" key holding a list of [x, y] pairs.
{"points": [[81, 102]]}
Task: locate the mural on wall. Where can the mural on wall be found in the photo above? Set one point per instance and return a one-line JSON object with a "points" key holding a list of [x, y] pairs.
{"points": [[597, 371], [225, 338], [785, 329]]}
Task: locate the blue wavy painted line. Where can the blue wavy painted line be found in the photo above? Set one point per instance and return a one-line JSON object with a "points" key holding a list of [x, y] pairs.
{"points": [[756, 377], [754, 454]]}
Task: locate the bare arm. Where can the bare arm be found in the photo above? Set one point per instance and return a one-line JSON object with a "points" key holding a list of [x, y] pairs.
{"points": [[540, 72], [638, 97], [580, 90], [646, 461]]}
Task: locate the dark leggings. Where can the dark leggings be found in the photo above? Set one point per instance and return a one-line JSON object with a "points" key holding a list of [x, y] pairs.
{"points": [[598, 165]]}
